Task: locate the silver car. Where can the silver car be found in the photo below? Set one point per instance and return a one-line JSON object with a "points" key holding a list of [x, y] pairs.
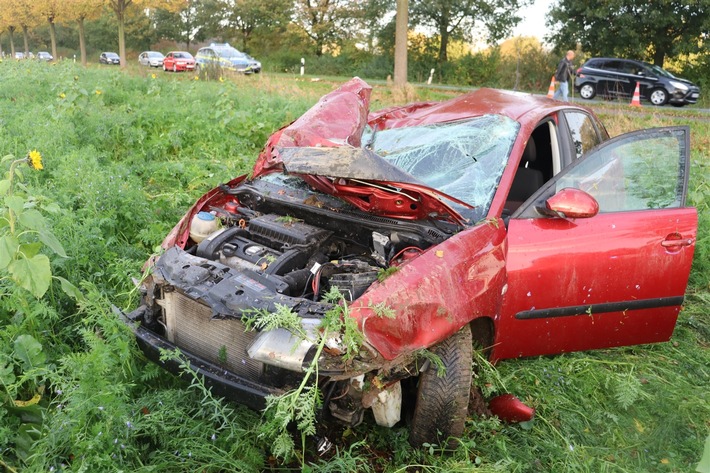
{"points": [[151, 58]]}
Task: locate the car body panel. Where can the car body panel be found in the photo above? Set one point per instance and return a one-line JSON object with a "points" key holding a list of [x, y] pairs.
{"points": [[437, 293], [618, 276]]}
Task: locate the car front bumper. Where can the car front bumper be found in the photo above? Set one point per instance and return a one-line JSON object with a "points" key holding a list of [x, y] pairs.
{"points": [[684, 96], [223, 382]]}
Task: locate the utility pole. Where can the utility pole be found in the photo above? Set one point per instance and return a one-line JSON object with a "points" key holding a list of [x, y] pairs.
{"points": [[400, 43]]}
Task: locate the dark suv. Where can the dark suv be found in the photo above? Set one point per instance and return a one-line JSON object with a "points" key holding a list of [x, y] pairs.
{"points": [[611, 77]]}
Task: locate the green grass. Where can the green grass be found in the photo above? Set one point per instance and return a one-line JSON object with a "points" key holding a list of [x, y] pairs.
{"points": [[123, 164]]}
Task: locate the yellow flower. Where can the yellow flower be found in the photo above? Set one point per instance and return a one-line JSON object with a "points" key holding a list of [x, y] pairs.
{"points": [[221, 79], [153, 76], [34, 159], [97, 92], [61, 96], [76, 78], [197, 77]]}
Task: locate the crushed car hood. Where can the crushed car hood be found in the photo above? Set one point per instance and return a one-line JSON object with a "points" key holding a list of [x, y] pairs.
{"points": [[324, 147]]}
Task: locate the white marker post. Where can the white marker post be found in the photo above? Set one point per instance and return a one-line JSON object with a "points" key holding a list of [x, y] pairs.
{"points": [[431, 76], [303, 66]]}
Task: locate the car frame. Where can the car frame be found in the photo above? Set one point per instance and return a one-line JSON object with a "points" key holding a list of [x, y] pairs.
{"points": [[615, 77], [537, 235], [151, 58], [110, 58], [179, 61], [45, 56]]}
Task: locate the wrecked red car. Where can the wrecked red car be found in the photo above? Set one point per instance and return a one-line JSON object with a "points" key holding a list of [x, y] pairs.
{"points": [[499, 219]]}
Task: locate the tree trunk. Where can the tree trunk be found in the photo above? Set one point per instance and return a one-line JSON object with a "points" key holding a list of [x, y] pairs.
{"points": [[400, 43], [443, 56], [82, 41], [444, 35], [659, 56], [12, 42], [122, 40], [53, 37], [25, 36]]}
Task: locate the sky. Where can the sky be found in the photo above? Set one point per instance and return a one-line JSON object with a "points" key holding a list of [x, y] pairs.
{"points": [[534, 18]]}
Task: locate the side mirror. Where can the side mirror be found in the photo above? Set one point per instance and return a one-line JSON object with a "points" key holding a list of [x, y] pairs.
{"points": [[572, 203]]}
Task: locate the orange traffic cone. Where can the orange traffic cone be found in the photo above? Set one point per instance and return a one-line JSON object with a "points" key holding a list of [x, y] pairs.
{"points": [[551, 89], [636, 101]]}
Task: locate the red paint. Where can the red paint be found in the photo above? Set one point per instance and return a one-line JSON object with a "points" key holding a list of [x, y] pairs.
{"points": [[573, 203], [510, 409], [436, 293], [607, 258]]}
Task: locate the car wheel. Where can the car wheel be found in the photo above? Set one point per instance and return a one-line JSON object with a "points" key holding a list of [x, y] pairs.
{"points": [[659, 97], [442, 401], [587, 91]]}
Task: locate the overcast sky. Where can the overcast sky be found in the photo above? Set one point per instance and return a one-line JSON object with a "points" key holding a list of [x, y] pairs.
{"points": [[534, 18]]}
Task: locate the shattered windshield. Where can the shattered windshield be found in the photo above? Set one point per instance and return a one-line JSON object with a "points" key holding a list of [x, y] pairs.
{"points": [[464, 159]]}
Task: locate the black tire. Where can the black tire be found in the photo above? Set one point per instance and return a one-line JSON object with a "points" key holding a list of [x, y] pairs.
{"points": [[587, 91], [658, 97], [442, 401]]}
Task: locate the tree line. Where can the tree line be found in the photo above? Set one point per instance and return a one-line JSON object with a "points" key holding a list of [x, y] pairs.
{"points": [[358, 36]]}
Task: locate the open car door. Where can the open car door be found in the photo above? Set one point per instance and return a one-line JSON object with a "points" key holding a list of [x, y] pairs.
{"points": [[581, 278]]}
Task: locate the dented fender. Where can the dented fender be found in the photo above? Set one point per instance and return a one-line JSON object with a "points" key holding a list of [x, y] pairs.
{"points": [[437, 293]]}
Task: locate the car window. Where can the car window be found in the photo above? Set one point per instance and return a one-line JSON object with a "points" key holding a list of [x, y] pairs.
{"points": [[463, 159], [613, 65], [638, 171], [584, 133], [631, 68]]}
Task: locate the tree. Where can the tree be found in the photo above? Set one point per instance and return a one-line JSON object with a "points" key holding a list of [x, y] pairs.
{"points": [[635, 28], [457, 19], [21, 12], [400, 43], [80, 11], [8, 23], [49, 10], [120, 8], [324, 21]]}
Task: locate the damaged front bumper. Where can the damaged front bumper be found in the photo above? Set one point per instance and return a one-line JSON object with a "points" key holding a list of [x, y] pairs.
{"points": [[222, 382]]}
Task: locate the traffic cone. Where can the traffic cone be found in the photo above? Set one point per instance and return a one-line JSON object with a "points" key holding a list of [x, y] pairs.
{"points": [[551, 89], [636, 101]]}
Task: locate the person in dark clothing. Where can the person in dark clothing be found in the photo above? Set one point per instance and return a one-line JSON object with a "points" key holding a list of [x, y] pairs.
{"points": [[565, 71]]}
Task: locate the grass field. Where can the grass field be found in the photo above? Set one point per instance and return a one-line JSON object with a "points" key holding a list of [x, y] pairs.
{"points": [[124, 155]]}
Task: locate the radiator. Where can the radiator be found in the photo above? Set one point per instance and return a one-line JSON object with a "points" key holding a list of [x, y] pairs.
{"points": [[190, 326]]}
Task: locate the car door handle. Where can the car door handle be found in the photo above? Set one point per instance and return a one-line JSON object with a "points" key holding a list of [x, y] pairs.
{"points": [[672, 243]]}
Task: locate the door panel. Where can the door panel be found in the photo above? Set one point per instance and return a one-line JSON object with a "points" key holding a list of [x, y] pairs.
{"points": [[617, 278]]}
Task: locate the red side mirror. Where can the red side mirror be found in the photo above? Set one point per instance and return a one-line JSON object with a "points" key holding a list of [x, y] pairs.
{"points": [[572, 203]]}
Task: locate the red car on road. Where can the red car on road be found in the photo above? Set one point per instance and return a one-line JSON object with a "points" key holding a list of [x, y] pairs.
{"points": [[178, 61], [505, 220]]}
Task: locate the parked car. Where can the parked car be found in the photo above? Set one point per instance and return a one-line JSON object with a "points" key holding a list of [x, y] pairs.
{"points": [[178, 61], [151, 58], [109, 58], [613, 77], [499, 218], [44, 56], [19, 55], [226, 57]]}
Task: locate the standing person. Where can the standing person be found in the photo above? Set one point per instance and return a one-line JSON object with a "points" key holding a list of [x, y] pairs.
{"points": [[565, 70]]}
